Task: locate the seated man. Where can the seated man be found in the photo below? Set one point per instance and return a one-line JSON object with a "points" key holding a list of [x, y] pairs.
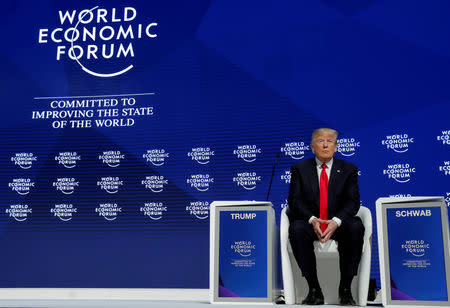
{"points": [[323, 201]]}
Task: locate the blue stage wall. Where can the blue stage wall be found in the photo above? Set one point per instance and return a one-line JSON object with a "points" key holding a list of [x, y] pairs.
{"points": [[121, 123]]}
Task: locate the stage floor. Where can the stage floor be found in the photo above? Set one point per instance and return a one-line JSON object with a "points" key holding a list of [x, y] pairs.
{"points": [[132, 304]]}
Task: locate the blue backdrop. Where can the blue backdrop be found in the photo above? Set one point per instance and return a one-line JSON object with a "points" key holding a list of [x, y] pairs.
{"points": [[123, 120]]}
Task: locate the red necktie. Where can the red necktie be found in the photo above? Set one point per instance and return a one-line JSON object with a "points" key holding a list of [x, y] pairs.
{"points": [[323, 196]]}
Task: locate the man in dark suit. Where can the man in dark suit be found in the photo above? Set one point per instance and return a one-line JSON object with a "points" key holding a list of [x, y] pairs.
{"points": [[323, 201]]}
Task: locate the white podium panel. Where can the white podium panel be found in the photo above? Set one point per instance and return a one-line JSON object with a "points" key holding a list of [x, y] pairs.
{"points": [[242, 252], [413, 242]]}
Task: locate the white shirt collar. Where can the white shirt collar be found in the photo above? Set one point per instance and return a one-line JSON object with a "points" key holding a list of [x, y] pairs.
{"points": [[329, 164]]}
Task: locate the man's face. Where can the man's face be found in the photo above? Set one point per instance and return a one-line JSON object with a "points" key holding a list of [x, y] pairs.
{"points": [[324, 146]]}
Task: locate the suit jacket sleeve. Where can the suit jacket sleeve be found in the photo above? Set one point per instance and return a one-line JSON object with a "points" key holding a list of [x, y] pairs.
{"points": [[298, 203]]}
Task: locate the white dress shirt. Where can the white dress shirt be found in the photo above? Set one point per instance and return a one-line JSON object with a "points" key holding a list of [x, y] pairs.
{"points": [[328, 171]]}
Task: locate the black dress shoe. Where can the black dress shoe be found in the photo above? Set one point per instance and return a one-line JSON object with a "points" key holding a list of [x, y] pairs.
{"points": [[315, 297], [345, 298]]}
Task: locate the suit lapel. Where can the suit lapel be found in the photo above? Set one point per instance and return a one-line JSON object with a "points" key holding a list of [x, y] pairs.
{"points": [[336, 170], [314, 181]]}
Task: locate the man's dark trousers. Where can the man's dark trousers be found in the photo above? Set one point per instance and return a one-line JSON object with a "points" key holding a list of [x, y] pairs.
{"points": [[349, 235], [343, 203]]}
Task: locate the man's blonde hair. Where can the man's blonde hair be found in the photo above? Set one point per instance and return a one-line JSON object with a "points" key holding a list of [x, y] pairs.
{"points": [[324, 130]]}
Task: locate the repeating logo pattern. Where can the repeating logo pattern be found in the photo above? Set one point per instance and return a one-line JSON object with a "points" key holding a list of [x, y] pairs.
{"points": [[20, 212], [398, 143], [24, 160], [247, 180], [295, 149], [156, 157], [286, 177], [64, 211], [68, 159], [445, 167], [109, 211], [22, 186], [444, 137], [66, 185], [110, 184], [111, 158], [201, 182], [401, 173], [247, 152], [198, 209], [154, 210], [201, 155], [348, 146], [155, 183]]}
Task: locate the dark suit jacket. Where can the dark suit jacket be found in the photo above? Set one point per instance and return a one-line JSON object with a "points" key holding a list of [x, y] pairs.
{"points": [[304, 193]]}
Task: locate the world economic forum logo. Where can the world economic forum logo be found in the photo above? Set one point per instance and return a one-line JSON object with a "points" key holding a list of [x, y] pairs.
{"points": [[110, 184], [154, 210], [155, 183], [243, 248], [401, 173], [22, 186], [156, 157], [445, 167], [109, 211], [398, 143], [201, 155], [348, 146], [98, 35], [68, 159], [66, 185], [198, 209], [24, 160], [286, 177], [247, 180], [417, 248], [247, 152], [201, 182], [19, 212], [111, 158], [296, 149], [444, 137], [64, 211]]}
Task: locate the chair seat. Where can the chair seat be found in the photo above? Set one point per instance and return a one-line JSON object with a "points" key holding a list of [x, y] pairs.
{"points": [[328, 247], [295, 287]]}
